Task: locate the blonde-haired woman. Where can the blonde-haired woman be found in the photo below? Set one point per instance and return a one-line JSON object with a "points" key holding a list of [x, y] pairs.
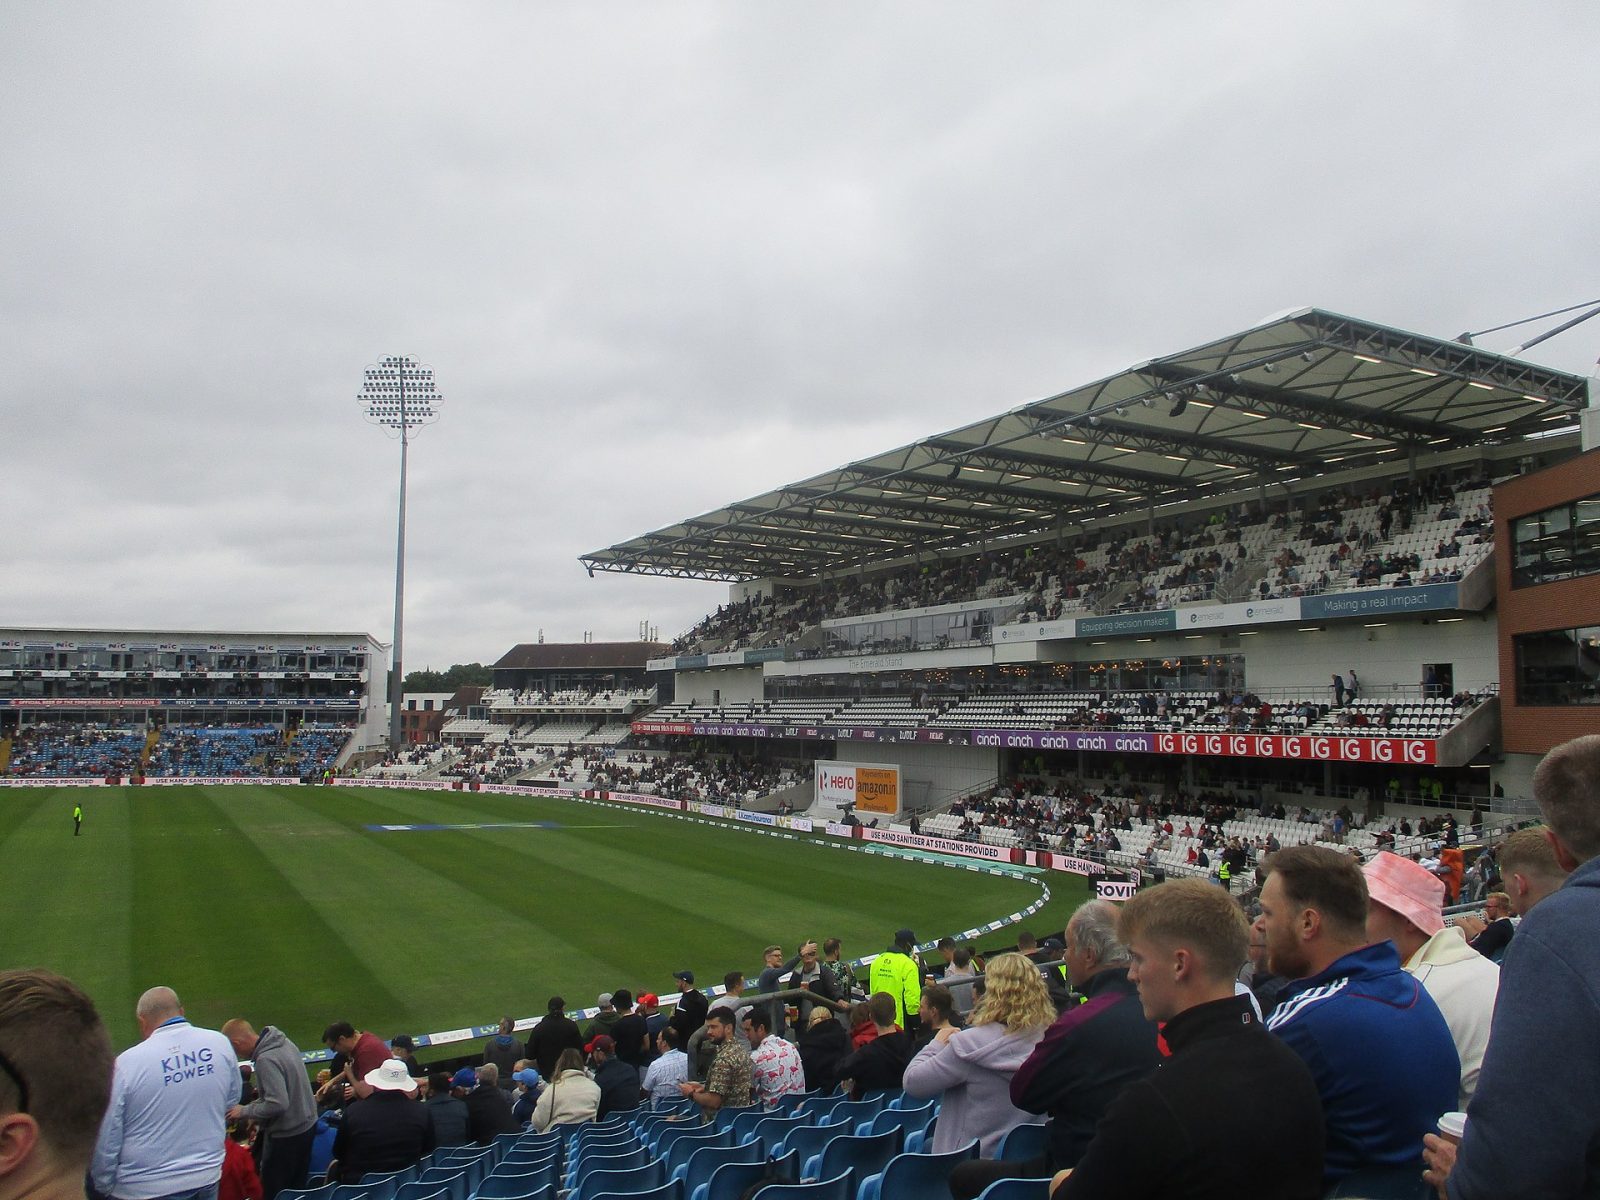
{"points": [[972, 1067]]}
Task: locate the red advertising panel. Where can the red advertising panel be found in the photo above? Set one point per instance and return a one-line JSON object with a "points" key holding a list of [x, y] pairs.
{"points": [[1404, 751]]}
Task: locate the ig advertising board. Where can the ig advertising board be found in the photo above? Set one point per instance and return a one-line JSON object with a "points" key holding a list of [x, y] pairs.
{"points": [[871, 787]]}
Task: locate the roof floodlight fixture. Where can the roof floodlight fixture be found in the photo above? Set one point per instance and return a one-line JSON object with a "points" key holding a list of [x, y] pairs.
{"points": [[399, 394]]}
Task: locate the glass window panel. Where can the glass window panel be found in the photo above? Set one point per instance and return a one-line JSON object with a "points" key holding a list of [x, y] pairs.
{"points": [[1558, 667], [1586, 537]]}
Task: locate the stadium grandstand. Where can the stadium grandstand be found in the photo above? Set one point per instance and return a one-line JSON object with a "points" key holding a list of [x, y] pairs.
{"points": [[1269, 568], [1321, 585], [180, 703]]}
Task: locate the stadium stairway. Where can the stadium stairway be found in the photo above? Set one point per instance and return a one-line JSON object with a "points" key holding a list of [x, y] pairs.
{"points": [[150, 739], [5, 754]]}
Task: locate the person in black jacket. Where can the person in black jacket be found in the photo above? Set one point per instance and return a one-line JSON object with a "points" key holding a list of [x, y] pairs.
{"points": [[882, 1062], [553, 1034], [822, 1044], [447, 1110], [388, 1131], [617, 1079], [489, 1108], [1167, 1135], [690, 1012]]}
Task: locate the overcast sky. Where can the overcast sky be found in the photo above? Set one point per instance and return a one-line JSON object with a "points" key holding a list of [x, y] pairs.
{"points": [[665, 256]]}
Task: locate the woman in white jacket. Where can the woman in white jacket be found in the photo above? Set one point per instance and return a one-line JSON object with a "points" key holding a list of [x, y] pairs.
{"points": [[571, 1098], [972, 1068]]}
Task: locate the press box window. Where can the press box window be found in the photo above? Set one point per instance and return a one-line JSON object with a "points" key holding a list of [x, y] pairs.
{"points": [[1558, 667]]}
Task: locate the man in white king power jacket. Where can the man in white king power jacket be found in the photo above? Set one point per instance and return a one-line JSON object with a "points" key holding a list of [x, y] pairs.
{"points": [[162, 1138]]}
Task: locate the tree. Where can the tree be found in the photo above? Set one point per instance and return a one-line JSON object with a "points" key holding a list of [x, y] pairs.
{"points": [[459, 675]]}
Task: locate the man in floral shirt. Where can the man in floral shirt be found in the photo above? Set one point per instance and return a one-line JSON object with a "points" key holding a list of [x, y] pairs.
{"points": [[775, 1068], [727, 1082]]}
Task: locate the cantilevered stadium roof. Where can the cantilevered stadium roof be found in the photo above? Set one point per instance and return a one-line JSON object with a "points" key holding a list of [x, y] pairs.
{"points": [[1302, 395]]}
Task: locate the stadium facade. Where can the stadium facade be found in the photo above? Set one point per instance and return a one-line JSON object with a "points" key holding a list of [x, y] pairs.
{"points": [[1159, 575]]}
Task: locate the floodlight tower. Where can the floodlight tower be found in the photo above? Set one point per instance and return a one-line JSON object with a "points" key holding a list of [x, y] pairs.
{"points": [[399, 395]]}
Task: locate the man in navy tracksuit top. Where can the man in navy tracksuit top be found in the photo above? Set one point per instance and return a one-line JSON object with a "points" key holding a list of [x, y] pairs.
{"points": [[1379, 1049]]}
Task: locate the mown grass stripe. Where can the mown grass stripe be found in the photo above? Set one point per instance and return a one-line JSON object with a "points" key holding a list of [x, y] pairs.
{"points": [[279, 904]]}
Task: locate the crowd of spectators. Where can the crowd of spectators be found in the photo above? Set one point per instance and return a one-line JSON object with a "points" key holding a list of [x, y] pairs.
{"points": [[96, 751], [68, 749], [1339, 1037], [714, 778], [1184, 559]]}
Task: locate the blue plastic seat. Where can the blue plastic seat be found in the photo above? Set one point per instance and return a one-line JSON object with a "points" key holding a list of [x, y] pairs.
{"points": [[744, 1120], [856, 1111], [452, 1180], [820, 1107], [1021, 1143], [909, 1120], [316, 1193], [681, 1149], [732, 1180], [920, 1141], [515, 1183], [667, 1136], [610, 1123], [915, 1176], [771, 1130], [888, 1096], [509, 1187], [1017, 1189], [670, 1190], [863, 1155], [636, 1179], [704, 1160], [524, 1160], [790, 1101], [590, 1163], [604, 1145], [414, 1190], [808, 1140], [621, 1133], [536, 1143], [839, 1187], [374, 1184], [726, 1116], [353, 1191]]}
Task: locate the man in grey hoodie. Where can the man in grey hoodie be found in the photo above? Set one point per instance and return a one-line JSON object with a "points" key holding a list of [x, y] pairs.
{"points": [[285, 1110]]}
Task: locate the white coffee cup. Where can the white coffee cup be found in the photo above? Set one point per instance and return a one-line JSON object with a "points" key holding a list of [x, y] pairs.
{"points": [[1452, 1125]]}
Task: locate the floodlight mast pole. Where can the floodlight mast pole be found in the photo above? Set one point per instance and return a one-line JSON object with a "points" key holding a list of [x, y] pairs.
{"points": [[396, 680], [399, 394]]}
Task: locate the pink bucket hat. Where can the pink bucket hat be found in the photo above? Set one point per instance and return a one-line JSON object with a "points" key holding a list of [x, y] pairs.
{"points": [[1408, 888]]}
